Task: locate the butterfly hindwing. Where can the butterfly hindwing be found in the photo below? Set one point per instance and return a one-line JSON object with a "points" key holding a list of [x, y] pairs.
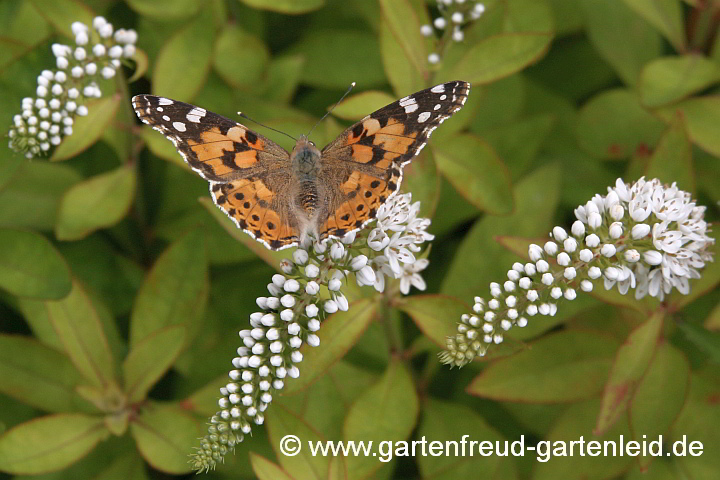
{"points": [[374, 150]]}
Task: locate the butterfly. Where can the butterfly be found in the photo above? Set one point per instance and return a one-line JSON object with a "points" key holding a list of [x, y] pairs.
{"points": [[281, 198]]}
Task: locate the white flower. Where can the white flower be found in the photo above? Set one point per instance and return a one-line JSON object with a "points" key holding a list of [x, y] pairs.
{"points": [[411, 276]]}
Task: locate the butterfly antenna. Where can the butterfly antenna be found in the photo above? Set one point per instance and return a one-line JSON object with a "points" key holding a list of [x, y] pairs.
{"points": [[263, 125], [333, 107]]}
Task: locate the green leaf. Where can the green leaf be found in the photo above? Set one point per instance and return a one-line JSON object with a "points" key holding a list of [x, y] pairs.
{"points": [[631, 362], [528, 16], [128, 466], [31, 267], [499, 56], [80, 331], [670, 79], [291, 7], [41, 185], [613, 125], [241, 59], [99, 202], [713, 320], [622, 37], [519, 142], [667, 377], [563, 367], [267, 470], [303, 465], [576, 423], [443, 421], [500, 103], [324, 404], [404, 25], [421, 178], [36, 316], [339, 333], [142, 64], [175, 291], [38, 375], [328, 64], [165, 436], [178, 74], [400, 72], [672, 159], [24, 25], [665, 15], [283, 77], [164, 10], [160, 147], [88, 129], [112, 275], [435, 315], [149, 359], [387, 411], [50, 443], [272, 258], [480, 260], [475, 171], [588, 73], [702, 119], [696, 423], [62, 13], [10, 50], [357, 106], [707, 342]]}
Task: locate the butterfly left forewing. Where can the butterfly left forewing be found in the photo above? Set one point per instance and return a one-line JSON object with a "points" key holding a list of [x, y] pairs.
{"points": [[215, 147], [247, 172], [367, 159]]}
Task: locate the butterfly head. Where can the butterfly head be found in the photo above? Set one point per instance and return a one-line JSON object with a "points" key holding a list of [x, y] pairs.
{"points": [[305, 157]]}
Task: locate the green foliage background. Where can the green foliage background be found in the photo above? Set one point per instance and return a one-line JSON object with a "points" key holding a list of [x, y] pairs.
{"points": [[122, 287]]}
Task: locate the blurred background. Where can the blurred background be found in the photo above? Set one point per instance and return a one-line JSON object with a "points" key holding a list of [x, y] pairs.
{"points": [[111, 227]]}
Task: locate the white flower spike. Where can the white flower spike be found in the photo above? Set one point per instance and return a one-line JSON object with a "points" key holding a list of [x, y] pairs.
{"points": [[646, 236]]}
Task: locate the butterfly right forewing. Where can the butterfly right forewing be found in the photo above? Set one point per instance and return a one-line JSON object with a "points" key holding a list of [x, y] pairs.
{"points": [[367, 159]]}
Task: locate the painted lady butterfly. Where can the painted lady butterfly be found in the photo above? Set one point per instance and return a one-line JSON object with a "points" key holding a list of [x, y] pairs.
{"points": [[281, 198]]}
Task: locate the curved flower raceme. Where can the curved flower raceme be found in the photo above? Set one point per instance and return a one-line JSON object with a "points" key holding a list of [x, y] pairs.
{"points": [[644, 236], [294, 310], [61, 93]]}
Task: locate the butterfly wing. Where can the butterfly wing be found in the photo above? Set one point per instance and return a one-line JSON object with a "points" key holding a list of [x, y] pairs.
{"points": [[246, 170], [365, 162]]}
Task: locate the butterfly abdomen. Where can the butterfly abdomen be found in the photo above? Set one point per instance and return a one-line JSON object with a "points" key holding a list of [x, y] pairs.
{"points": [[308, 197]]}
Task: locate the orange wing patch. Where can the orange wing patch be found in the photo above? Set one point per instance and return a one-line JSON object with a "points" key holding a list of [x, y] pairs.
{"points": [[363, 196], [249, 203]]}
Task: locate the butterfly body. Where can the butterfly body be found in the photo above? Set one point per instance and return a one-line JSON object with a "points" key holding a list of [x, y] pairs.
{"points": [[283, 198]]}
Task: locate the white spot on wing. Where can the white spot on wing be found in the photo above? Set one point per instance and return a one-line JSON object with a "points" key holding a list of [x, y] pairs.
{"points": [[179, 126], [404, 102], [165, 101], [411, 108], [443, 97], [437, 107], [166, 118], [196, 114], [160, 109], [423, 117], [438, 88]]}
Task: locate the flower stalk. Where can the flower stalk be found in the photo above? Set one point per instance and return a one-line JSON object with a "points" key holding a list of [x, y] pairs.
{"points": [[645, 236], [300, 299]]}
